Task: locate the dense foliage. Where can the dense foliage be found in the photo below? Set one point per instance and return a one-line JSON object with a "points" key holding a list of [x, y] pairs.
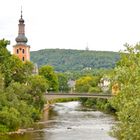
{"points": [[127, 100], [51, 77], [75, 60], [87, 84], [98, 104], [63, 82], [21, 93]]}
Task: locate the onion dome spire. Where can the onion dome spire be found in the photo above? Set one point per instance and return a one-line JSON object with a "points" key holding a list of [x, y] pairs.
{"points": [[21, 38], [21, 19]]}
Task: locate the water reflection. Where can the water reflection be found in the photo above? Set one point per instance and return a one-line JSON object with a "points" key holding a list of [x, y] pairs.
{"points": [[70, 121]]}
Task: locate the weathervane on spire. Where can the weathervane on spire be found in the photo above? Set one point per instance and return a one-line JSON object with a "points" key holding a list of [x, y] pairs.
{"points": [[21, 11]]}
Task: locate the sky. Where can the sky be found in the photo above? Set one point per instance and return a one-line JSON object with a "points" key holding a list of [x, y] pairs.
{"points": [[104, 25]]}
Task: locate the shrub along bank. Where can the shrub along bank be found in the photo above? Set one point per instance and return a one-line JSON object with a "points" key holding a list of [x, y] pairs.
{"points": [[98, 104]]}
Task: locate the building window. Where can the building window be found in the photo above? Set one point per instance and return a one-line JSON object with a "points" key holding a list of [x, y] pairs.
{"points": [[23, 51], [23, 59], [17, 51]]}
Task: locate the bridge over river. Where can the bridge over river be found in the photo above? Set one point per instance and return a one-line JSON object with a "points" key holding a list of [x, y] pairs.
{"points": [[51, 96]]}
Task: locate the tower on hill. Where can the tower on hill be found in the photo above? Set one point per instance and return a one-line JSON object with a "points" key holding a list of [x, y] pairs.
{"points": [[21, 49]]}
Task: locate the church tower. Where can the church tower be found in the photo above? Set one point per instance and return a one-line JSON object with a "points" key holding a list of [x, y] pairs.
{"points": [[21, 49]]}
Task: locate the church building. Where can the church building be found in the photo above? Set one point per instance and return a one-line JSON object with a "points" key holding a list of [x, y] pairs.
{"points": [[21, 49]]}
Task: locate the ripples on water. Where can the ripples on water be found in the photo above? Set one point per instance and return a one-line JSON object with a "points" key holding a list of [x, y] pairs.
{"points": [[70, 121]]}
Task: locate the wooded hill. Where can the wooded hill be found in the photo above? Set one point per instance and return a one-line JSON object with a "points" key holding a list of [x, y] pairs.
{"points": [[75, 60]]}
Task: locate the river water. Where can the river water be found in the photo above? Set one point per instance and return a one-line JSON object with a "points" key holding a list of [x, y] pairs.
{"points": [[70, 121]]}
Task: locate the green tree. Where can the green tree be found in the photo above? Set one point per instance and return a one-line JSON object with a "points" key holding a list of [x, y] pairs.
{"points": [[63, 82], [1, 82], [15, 87], [38, 87], [84, 84], [127, 101], [50, 76], [28, 69], [21, 93], [9, 117], [4, 53], [15, 70]]}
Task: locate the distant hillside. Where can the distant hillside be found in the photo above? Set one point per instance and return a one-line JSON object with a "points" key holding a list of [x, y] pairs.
{"points": [[68, 60]]}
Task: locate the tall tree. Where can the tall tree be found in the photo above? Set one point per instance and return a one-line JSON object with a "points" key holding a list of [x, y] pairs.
{"points": [[63, 82], [51, 77], [38, 87], [127, 100], [21, 93], [84, 84], [4, 53]]}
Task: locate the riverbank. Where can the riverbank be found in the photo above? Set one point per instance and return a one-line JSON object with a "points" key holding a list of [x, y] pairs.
{"points": [[94, 103], [68, 121], [98, 104]]}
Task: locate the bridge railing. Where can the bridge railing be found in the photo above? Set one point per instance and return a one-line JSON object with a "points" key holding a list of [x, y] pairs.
{"points": [[76, 93], [80, 94]]}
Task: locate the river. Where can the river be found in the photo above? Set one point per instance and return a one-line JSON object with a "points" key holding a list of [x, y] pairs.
{"points": [[70, 121]]}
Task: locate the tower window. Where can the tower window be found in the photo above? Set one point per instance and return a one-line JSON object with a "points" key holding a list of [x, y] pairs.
{"points": [[17, 51], [23, 59], [23, 51]]}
